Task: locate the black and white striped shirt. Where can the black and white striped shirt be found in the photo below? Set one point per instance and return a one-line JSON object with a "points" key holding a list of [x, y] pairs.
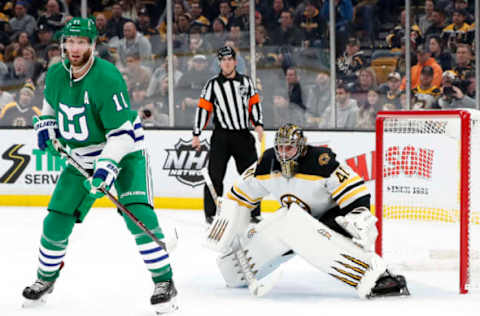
{"points": [[234, 101]]}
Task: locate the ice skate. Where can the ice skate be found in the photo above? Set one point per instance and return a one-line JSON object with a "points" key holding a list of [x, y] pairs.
{"points": [[37, 293], [389, 285], [164, 298]]}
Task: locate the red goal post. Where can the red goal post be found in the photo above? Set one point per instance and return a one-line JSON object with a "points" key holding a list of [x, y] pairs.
{"points": [[426, 163]]}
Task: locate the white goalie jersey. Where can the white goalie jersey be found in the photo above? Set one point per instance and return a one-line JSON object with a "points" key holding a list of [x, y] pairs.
{"points": [[320, 184]]}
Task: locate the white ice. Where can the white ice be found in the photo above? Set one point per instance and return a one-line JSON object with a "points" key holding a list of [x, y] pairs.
{"points": [[104, 275]]}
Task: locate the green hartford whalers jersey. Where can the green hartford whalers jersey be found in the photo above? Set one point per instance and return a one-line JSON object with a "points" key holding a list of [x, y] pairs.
{"points": [[92, 109]]}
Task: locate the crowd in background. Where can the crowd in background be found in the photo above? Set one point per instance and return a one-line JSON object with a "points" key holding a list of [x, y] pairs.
{"points": [[292, 55]]}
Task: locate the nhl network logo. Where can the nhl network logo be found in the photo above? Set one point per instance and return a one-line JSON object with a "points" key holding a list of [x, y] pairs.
{"points": [[184, 163]]}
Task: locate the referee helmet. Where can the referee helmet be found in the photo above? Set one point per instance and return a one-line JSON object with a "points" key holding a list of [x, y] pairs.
{"points": [[225, 51]]}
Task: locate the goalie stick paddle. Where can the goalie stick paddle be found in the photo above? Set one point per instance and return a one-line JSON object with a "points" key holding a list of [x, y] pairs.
{"points": [[112, 198]]}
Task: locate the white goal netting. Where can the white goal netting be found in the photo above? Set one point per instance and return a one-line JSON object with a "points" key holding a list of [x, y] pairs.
{"points": [[429, 164]]}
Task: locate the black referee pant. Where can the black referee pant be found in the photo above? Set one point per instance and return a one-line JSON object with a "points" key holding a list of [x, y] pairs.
{"points": [[223, 145]]}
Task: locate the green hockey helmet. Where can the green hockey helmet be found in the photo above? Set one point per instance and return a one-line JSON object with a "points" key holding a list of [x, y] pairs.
{"points": [[78, 26]]}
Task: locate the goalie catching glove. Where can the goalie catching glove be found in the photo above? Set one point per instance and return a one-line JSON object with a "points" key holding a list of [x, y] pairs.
{"points": [[360, 223], [106, 171], [48, 134]]}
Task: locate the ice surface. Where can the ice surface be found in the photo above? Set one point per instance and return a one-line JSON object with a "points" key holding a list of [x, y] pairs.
{"points": [[104, 275]]}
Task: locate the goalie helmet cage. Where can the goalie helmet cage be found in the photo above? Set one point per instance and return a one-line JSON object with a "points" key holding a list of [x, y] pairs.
{"points": [[426, 164]]}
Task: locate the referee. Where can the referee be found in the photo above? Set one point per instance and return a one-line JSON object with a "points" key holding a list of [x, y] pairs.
{"points": [[233, 99]]}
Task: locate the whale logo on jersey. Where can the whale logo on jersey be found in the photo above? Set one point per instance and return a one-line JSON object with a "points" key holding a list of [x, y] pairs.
{"points": [[185, 163], [288, 199]]}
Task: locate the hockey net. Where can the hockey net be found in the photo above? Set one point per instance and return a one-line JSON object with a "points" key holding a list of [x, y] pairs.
{"points": [[428, 163]]}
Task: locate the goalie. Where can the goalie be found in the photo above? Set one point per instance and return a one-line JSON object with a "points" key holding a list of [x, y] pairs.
{"points": [[325, 219]]}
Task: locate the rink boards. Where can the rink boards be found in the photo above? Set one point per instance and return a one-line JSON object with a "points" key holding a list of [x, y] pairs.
{"points": [[28, 175]]}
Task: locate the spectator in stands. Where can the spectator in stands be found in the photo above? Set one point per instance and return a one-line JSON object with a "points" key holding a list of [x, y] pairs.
{"points": [[135, 42], [367, 80], [295, 93], [158, 106], [435, 47], [258, 18], [368, 110], [160, 73], [464, 61], [312, 25], [144, 26], [23, 40], [240, 14], [189, 88], [318, 99], [130, 9], [137, 72], [343, 20], [196, 11], [22, 22], [138, 95], [394, 39], [401, 66], [352, 60], [52, 17], [364, 20], [116, 22], [197, 43], [225, 11], [439, 22], [471, 84], [425, 20], [101, 24], [457, 31], [45, 38], [346, 110], [460, 5], [424, 58], [34, 67], [288, 34], [218, 36], [452, 96], [182, 25], [284, 111], [391, 90], [426, 93], [272, 16], [21, 112], [237, 36], [16, 76]]}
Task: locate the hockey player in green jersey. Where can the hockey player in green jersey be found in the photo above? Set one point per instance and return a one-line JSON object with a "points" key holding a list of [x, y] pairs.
{"points": [[86, 107]]}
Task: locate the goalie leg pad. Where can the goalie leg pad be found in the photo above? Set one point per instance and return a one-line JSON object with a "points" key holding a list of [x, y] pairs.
{"points": [[329, 251], [263, 250]]}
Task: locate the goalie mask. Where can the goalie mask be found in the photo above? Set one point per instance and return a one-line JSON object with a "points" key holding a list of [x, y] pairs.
{"points": [[289, 146]]}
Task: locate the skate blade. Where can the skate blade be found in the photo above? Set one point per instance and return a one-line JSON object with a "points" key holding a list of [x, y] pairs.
{"points": [[166, 308], [27, 303]]}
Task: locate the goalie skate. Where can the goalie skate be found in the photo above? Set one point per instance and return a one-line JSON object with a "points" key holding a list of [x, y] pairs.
{"points": [[164, 298], [389, 285], [37, 293]]}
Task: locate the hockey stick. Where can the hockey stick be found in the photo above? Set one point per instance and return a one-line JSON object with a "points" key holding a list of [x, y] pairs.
{"points": [[209, 184], [112, 198]]}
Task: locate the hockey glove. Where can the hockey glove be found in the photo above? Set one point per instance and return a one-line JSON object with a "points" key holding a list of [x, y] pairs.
{"points": [[360, 223], [106, 171], [48, 134]]}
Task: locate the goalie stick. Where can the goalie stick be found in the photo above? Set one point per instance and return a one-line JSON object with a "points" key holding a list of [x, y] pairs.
{"points": [[256, 287], [209, 184], [110, 196]]}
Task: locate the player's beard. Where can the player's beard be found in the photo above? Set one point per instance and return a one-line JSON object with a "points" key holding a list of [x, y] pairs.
{"points": [[82, 61]]}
